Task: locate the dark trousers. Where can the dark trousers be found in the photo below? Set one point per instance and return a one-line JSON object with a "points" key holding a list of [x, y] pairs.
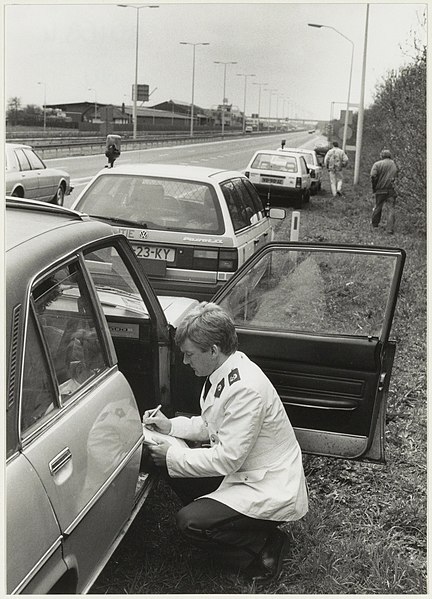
{"points": [[212, 525], [385, 197]]}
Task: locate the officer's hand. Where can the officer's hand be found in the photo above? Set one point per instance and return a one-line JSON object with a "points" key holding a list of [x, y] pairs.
{"points": [[158, 452], [159, 422]]}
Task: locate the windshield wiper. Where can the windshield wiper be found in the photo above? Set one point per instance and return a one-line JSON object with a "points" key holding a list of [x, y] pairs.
{"points": [[121, 221]]}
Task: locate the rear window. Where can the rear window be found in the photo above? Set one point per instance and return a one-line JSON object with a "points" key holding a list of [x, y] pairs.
{"points": [[157, 203], [275, 162]]}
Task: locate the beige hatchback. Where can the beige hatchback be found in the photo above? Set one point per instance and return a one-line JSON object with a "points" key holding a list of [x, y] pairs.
{"points": [[191, 227]]}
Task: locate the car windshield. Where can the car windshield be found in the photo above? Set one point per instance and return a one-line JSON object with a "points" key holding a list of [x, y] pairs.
{"points": [[154, 203], [275, 162]]}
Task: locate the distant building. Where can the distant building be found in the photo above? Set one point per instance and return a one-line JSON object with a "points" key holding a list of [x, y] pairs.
{"points": [[202, 116]]}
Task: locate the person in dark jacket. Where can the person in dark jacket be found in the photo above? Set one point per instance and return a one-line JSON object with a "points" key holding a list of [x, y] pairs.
{"points": [[383, 175], [112, 149]]}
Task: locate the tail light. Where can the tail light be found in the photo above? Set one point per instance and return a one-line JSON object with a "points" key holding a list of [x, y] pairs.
{"points": [[298, 182], [217, 260], [228, 260]]}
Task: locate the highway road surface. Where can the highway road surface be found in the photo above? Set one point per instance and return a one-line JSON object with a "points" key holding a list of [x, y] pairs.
{"points": [[233, 154]]}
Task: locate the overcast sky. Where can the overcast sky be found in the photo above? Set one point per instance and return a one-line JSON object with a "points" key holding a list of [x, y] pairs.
{"points": [[74, 47]]}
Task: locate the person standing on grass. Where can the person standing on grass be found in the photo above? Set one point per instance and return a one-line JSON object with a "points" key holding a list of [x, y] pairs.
{"points": [[335, 160], [246, 477], [383, 175]]}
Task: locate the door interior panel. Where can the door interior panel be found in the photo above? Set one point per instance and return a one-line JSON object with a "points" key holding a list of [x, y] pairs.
{"points": [[133, 344], [311, 376]]}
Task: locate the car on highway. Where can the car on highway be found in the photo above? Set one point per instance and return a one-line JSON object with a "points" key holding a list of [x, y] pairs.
{"points": [[191, 227], [315, 168], [27, 176], [280, 177], [90, 347]]}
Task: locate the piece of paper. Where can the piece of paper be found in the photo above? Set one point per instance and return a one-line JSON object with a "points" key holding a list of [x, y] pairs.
{"points": [[151, 436]]}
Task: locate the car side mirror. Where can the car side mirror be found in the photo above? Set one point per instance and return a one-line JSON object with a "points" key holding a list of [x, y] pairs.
{"points": [[278, 213]]}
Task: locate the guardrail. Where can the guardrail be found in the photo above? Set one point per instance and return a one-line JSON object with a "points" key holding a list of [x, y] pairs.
{"points": [[60, 147]]}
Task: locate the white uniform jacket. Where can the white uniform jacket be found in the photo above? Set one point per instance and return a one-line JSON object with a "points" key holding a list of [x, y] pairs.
{"points": [[252, 444]]}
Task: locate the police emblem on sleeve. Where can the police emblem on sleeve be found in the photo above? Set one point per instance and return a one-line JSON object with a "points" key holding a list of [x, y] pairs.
{"points": [[219, 388], [233, 376]]}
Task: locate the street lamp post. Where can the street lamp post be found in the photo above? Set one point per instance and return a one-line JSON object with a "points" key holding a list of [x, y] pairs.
{"points": [[224, 85], [350, 77], [135, 93], [271, 92], [193, 78], [44, 106], [91, 89], [259, 98], [244, 97]]}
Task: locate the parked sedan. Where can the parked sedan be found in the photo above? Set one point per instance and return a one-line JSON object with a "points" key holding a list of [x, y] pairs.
{"points": [[280, 177], [191, 227], [27, 176], [90, 348], [315, 168]]}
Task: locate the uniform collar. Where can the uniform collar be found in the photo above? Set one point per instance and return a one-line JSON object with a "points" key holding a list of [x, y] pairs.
{"points": [[220, 372]]}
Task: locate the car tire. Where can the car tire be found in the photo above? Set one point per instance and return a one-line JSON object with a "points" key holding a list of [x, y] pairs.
{"points": [[306, 196], [59, 196]]}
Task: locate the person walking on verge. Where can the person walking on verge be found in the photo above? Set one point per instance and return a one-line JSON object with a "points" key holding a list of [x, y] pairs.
{"points": [[383, 175], [247, 477], [334, 161]]}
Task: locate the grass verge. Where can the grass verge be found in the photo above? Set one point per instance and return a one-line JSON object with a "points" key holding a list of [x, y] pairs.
{"points": [[365, 532]]}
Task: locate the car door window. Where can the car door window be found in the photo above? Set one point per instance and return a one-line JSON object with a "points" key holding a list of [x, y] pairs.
{"points": [[303, 167], [23, 162], [114, 284], [68, 323], [320, 292], [256, 200], [38, 397], [35, 162], [246, 203], [236, 208]]}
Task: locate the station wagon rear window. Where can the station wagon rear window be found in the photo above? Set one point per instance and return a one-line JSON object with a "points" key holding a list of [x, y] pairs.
{"points": [[276, 162], [155, 203]]}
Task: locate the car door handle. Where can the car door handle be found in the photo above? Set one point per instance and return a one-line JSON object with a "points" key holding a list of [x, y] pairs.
{"points": [[60, 461]]}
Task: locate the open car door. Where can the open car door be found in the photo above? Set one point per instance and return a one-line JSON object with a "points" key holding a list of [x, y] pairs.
{"points": [[317, 319]]}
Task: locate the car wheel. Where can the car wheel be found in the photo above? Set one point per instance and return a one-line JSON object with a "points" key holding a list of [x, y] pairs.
{"points": [[306, 197], [17, 193], [59, 196]]}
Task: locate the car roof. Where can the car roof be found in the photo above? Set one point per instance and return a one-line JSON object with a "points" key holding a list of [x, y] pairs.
{"points": [[274, 153], [296, 150], [18, 146], [172, 171], [38, 234]]}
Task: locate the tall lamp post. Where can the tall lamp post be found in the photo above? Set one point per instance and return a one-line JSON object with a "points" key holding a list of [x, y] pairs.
{"points": [[91, 89], [259, 99], [135, 94], [244, 97], [193, 78], [224, 85], [44, 106], [271, 92], [350, 76]]}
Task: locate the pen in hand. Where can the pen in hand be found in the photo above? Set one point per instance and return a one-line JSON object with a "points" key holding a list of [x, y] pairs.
{"points": [[155, 411]]}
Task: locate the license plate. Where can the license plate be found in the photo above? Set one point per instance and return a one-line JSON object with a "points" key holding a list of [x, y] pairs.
{"points": [[271, 180], [154, 253]]}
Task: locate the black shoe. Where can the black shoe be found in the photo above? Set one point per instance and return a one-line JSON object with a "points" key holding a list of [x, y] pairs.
{"points": [[338, 193], [268, 564]]}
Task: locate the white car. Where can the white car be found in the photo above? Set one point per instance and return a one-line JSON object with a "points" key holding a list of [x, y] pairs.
{"points": [[280, 177], [191, 227], [27, 176], [315, 168]]}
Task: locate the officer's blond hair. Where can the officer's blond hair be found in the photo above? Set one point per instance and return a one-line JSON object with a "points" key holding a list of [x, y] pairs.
{"points": [[206, 325]]}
